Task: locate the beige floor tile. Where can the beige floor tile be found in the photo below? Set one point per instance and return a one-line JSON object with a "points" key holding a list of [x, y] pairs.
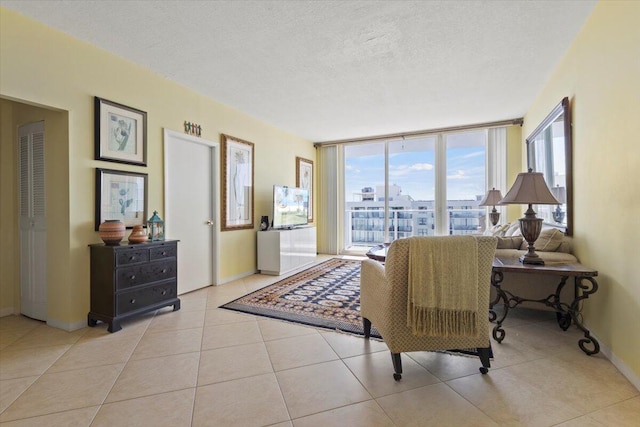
{"points": [[504, 396], [158, 375], [28, 361], [77, 418], [447, 366], [173, 320], [15, 323], [63, 391], [158, 343], [538, 339], [220, 316], [305, 394], [171, 409], [231, 363], [299, 351], [365, 414], [435, 405], [8, 337], [10, 390], [626, 413], [585, 383], [218, 336], [346, 345], [97, 352], [254, 401], [276, 329], [45, 336], [375, 372], [587, 421], [195, 300]]}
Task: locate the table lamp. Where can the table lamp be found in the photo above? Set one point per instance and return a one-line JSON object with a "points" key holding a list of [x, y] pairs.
{"points": [[530, 188], [492, 198], [559, 193]]}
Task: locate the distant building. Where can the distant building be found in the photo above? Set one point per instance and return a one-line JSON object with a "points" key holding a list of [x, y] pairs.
{"points": [[407, 217]]}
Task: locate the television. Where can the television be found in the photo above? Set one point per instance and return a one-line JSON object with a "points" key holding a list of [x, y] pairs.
{"points": [[290, 206]]}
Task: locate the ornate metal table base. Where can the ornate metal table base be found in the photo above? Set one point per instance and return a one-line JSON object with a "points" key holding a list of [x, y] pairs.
{"points": [[585, 285]]}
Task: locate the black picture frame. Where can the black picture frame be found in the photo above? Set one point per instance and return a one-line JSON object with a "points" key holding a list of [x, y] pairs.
{"points": [[120, 133], [121, 195]]}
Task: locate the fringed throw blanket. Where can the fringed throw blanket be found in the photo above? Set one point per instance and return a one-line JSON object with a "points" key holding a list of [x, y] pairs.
{"points": [[443, 286]]}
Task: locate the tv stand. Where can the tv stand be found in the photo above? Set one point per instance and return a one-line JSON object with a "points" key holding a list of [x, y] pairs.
{"points": [[283, 250]]}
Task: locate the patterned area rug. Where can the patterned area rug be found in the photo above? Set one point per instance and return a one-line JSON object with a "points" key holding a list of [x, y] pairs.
{"points": [[326, 295]]}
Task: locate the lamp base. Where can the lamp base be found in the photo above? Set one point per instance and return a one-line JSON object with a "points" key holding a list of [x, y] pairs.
{"points": [[531, 228], [494, 216]]}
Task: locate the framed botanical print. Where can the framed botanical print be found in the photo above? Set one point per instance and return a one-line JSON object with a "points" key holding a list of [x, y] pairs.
{"points": [[237, 184], [304, 179], [120, 133], [121, 195]]}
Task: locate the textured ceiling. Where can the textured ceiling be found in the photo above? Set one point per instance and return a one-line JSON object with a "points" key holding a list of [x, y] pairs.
{"points": [[328, 70]]}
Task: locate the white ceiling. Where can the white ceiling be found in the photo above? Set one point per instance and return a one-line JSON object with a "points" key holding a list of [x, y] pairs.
{"points": [[328, 70]]}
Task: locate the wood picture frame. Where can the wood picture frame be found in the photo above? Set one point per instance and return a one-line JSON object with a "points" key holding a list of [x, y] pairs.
{"points": [[237, 183], [120, 133], [121, 195], [304, 179]]}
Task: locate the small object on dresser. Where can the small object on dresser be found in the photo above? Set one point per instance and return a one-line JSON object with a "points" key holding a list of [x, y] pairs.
{"points": [[138, 234], [155, 227], [111, 231], [264, 223]]}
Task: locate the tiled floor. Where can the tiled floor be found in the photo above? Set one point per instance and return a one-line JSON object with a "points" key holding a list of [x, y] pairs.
{"points": [[204, 366]]}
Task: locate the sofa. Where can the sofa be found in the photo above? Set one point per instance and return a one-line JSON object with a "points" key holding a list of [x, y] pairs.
{"points": [[553, 246]]}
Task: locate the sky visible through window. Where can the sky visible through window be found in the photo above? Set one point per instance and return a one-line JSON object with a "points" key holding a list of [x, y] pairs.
{"points": [[412, 167]]}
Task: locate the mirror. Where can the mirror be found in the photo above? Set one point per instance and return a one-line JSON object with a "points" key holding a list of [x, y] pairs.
{"points": [[549, 152]]}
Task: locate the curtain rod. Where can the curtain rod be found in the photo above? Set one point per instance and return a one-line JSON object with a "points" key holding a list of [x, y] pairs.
{"points": [[517, 121]]}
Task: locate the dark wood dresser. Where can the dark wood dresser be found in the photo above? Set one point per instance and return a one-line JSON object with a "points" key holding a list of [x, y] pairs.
{"points": [[131, 279]]}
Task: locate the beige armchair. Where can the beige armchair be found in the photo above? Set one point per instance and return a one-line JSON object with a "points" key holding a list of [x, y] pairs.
{"points": [[384, 290]]}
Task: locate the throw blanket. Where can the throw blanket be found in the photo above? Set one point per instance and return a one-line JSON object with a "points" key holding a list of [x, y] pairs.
{"points": [[443, 286]]}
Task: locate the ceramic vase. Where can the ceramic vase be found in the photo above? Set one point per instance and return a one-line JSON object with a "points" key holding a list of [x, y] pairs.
{"points": [[138, 235], [111, 231]]}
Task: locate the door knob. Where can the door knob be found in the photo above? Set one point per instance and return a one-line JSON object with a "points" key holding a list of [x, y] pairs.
{"points": [[209, 222]]}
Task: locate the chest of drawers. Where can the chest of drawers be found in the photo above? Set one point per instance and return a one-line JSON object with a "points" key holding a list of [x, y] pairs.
{"points": [[128, 280]]}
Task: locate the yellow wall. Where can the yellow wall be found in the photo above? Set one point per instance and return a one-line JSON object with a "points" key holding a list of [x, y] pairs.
{"points": [[601, 75], [45, 67]]}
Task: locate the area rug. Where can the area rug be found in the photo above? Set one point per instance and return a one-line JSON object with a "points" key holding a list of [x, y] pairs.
{"points": [[326, 295]]}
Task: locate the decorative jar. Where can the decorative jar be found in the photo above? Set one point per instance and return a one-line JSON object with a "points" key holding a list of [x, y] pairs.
{"points": [[111, 231], [138, 234]]}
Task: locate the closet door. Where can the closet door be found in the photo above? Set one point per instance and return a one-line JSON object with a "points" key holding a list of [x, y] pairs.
{"points": [[33, 223]]}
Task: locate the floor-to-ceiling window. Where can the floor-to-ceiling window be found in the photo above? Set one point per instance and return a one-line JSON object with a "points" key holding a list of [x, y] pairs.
{"points": [[418, 186]]}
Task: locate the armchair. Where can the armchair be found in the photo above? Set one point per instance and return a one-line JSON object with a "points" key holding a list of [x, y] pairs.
{"points": [[384, 291]]}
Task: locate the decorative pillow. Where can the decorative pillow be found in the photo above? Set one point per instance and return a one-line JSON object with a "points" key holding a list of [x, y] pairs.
{"points": [[513, 230], [496, 230], [512, 242], [549, 240]]}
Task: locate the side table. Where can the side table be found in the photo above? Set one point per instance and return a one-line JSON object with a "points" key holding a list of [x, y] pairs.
{"points": [[584, 285]]}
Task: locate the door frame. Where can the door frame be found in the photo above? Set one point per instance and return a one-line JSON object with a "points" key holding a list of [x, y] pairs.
{"points": [[215, 152]]}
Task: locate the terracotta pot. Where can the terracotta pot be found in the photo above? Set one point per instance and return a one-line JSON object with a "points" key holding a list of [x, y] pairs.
{"points": [[138, 235], [111, 231]]}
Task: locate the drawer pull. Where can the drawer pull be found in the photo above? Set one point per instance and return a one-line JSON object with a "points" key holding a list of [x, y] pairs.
{"points": [[133, 277], [132, 258], [164, 270], [164, 253], [133, 301], [164, 292]]}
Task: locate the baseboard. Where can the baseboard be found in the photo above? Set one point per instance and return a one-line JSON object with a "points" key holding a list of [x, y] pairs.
{"points": [[67, 326], [7, 311], [237, 276], [619, 364]]}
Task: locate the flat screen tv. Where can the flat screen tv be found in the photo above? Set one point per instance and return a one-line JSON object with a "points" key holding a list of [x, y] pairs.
{"points": [[290, 206]]}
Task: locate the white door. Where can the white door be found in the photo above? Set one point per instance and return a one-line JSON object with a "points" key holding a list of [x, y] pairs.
{"points": [[191, 200], [33, 223]]}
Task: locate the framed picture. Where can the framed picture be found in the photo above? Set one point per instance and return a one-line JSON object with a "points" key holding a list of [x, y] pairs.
{"points": [[304, 179], [121, 195], [237, 184], [120, 133]]}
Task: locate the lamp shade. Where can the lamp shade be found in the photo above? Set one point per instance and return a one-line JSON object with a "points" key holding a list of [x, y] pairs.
{"points": [[492, 198], [529, 188], [560, 193]]}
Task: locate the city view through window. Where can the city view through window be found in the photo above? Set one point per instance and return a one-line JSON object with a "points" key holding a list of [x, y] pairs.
{"points": [[431, 186]]}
